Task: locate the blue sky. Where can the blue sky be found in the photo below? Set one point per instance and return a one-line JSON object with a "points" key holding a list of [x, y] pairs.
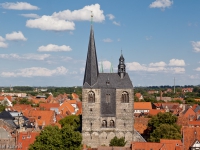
{"points": [[44, 43]]}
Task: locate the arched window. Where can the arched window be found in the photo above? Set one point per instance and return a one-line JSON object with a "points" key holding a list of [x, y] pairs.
{"points": [[91, 97], [112, 123], [104, 124], [125, 97]]}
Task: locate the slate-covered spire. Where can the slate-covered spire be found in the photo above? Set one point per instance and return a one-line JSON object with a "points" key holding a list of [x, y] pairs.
{"points": [[91, 68], [121, 67]]}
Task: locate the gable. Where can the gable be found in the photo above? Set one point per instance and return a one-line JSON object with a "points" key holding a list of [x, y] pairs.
{"points": [[196, 144]]}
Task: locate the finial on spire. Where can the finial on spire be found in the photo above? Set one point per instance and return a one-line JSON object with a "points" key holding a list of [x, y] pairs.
{"points": [[111, 68], [91, 17], [121, 51]]}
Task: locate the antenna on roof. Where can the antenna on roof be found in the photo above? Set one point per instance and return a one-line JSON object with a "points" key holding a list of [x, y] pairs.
{"points": [[174, 84]]}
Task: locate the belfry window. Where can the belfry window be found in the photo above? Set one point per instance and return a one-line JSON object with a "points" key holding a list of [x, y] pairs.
{"points": [[91, 97], [125, 97], [112, 124], [104, 124]]}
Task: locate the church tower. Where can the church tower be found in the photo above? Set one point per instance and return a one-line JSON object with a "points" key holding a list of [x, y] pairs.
{"points": [[107, 102]]}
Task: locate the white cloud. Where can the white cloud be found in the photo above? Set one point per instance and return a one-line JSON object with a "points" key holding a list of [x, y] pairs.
{"points": [[15, 36], [73, 72], [54, 48], [110, 16], [83, 14], [135, 66], [82, 70], [25, 56], [158, 64], [177, 70], [71, 33], [176, 62], [197, 69], [118, 40], [108, 40], [3, 45], [2, 39], [153, 67], [194, 76], [196, 46], [36, 71], [156, 69], [116, 23], [50, 23], [66, 59], [106, 64], [19, 6], [161, 4], [30, 15], [148, 38]]}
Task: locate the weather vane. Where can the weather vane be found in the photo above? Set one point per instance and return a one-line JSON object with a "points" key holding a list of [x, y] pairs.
{"points": [[91, 17]]}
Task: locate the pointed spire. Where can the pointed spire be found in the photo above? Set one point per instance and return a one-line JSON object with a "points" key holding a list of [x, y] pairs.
{"points": [[121, 67], [91, 69]]}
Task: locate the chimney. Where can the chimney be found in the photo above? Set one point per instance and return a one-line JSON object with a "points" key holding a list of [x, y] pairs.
{"points": [[161, 93]]}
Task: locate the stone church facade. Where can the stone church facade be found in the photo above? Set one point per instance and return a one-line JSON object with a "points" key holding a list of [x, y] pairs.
{"points": [[107, 102]]}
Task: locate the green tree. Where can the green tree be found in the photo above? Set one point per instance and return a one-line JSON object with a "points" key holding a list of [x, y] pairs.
{"points": [[71, 120], [118, 141], [163, 125], [49, 138], [24, 101], [71, 139], [2, 107], [162, 118], [53, 138], [165, 131], [14, 102]]}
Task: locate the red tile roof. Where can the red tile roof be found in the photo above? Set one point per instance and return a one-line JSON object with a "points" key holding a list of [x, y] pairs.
{"points": [[25, 139], [41, 117], [163, 145], [66, 108], [142, 105], [75, 96], [194, 123], [154, 112], [138, 95], [140, 124], [190, 134], [21, 107], [48, 106]]}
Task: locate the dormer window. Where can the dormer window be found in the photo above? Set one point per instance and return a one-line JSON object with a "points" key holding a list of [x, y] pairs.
{"points": [[91, 97], [125, 97], [107, 98]]}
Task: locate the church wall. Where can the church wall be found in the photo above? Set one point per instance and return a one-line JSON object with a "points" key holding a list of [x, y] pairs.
{"points": [[95, 135], [90, 118], [124, 115]]}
